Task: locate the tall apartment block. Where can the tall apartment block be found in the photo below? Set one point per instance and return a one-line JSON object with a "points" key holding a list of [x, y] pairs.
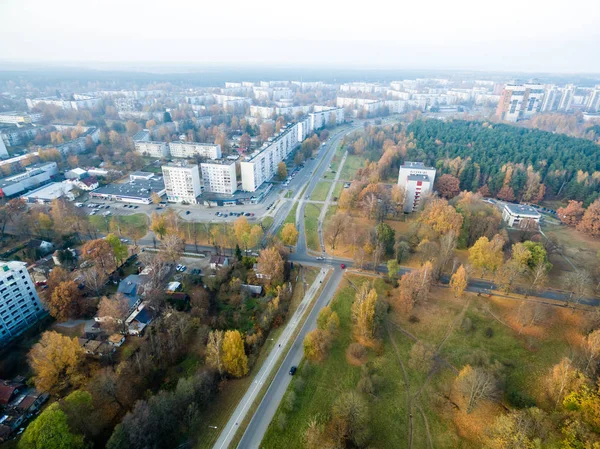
{"points": [[20, 305], [520, 101], [417, 180], [182, 183], [219, 177]]}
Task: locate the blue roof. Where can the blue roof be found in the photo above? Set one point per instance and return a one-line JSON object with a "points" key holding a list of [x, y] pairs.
{"points": [[145, 316]]}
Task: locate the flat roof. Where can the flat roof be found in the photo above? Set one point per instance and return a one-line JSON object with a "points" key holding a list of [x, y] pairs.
{"points": [[416, 165], [418, 178], [50, 191], [522, 209], [140, 188]]}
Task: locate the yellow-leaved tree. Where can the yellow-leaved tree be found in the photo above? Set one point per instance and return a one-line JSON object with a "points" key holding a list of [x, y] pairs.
{"points": [[56, 361], [235, 360], [289, 234], [363, 312], [459, 281]]}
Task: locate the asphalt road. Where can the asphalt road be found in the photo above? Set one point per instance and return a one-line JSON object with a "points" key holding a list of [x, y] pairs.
{"points": [[266, 410]]}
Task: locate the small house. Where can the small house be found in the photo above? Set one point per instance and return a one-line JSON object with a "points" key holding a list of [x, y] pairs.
{"points": [[217, 261]]}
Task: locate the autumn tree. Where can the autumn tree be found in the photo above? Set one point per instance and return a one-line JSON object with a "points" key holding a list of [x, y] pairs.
{"points": [[271, 263], [214, 351], [57, 276], [55, 359], [591, 349], [487, 255], [415, 286], [421, 357], [519, 429], [335, 229], [100, 253], [476, 384], [364, 312], [155, 197], [50, 430], [113, 311], [235, 360], [316, 345], [441, 217], [350, 420], [562, 379], [459, 281], [590, 223], [328, 320], [448, 186], [158, 225], [392, 267], [173, 247], [289, 234], [506, 193], [571, 214], [64, 303], [281, 171]]}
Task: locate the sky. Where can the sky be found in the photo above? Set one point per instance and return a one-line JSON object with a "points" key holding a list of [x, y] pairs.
{"points": [[512, 35]]}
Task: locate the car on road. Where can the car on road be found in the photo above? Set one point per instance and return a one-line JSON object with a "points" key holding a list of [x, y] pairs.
{"points": [[293, 370], [247, 214], [187, 212], [342, 266], [320, 258]]}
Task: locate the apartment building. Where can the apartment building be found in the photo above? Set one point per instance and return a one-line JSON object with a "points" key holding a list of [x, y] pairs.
{"points": [[566, 99], [19, 118], [20, 305], [323, 116], [182, 182], [151, 148], [78, 101], [219, 177], [191, 149], [3, 151], [261, 165], [417, 180], [520, 101]]}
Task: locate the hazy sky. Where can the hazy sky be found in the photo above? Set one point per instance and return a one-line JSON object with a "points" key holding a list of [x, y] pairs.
{"points": [[523, 35]]}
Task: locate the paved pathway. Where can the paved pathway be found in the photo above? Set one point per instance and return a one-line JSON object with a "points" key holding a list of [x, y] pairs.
{"points": [[241, 410]]}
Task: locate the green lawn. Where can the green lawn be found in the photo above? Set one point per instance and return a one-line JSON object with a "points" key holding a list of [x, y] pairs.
{"points": [[311, 218], [267, 222], [339, 154], [337, 190], [524, 361], [351, 166], [321, 190], [102, 224]]}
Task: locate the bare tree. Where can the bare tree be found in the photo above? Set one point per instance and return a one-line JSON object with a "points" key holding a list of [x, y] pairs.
{"points": [[591, 348], [579, 283], [173, 247], [476, 384], [335, 228]]}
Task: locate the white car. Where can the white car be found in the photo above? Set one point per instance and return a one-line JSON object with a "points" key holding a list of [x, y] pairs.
{"points": [[178, 267], [320, 258]]}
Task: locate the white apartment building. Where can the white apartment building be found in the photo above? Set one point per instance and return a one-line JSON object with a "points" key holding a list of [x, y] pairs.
{"points": [[190, 149], [593, 100], [182, 183], [567, 97], [520, 101], [417, 180], [261, 165], [152, 148], [18, 118], [219, 177], [20, 305], [322, 116], [79, 101], [3, 150]]}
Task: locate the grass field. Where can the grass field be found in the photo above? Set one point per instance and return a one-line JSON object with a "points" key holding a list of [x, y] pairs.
{"points": [[311, 218], [102, 224], [267, 222], [351, 166], [337, 157], [524, 356], [321, 190], [337, 190]]}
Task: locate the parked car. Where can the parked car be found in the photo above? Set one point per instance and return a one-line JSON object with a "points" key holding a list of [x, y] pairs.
{"points": [[178, 267], [183, 268], [247, 214], [187, 212]]}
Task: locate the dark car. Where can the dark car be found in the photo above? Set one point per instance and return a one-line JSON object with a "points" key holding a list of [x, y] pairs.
{"points": [[187, 212], [293, 370]]}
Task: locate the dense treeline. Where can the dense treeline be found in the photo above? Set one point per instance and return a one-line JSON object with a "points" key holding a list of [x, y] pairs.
{"points": [[507, 157]]}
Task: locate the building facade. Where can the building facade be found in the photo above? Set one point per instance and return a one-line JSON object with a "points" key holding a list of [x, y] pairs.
{"points": [[219, 177], [20, 305], [515, 214], [182, 183], [417, 180], [152, 149], [520, 101], [191, 149], [18, 118]]}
